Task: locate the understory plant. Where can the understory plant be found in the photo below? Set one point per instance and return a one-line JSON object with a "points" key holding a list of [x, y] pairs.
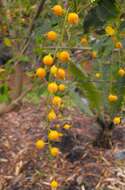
{"points": [[99, 71], [93, 65]]}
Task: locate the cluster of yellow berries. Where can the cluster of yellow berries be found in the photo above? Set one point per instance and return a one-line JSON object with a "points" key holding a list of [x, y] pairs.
{"points": [[55, 85], [112, 99], [73, 17], [121, 73], [48, 60], [53, 135], [63, 56], [110, 31]]}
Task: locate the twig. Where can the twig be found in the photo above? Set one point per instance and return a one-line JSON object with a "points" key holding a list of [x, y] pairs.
{"points": [[70, 48], [31, 27], [73, 48], [7, 108], [40, 8]]}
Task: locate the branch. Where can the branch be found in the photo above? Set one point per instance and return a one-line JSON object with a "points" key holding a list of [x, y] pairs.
{"points": [[66, 47], [39, 10], [7, 108], [31, 27]]}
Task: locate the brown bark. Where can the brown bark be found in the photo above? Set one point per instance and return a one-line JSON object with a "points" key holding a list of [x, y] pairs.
{"points": [[104, 138], [18, 80]]}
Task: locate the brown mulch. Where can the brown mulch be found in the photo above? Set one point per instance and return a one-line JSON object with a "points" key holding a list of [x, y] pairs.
{"points": [[80, 166]]}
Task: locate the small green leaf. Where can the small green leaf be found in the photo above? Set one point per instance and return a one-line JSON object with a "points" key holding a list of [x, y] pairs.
{"points": [[23, 58]]}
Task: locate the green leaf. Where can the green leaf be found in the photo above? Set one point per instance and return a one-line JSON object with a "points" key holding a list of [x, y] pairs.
{"points": [[23, 58], [88, 88], [119, 89], [100, 14], [4, 95], [79, 103]]}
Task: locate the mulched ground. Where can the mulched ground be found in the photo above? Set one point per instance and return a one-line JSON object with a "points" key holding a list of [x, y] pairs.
{"points": [[80, 166]]}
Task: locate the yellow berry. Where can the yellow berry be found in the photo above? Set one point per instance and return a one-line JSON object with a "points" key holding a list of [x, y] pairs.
{"points": [[67, 126], [52, 87], [40, 144], [7, 42], [118, 45], [54, 184], [53, 70], [58, 10], [116, 120], [84, 41], [60, 73], [41, 73], [94, 54], [52, 35], [98, 75], [4, 29], [73, 18], [52, 115], [112, 98], [48, 60], [109, 31], [64, 56], [121, 72], [54, 135], [61, 87], [56, 101], [54, 151], [57, 126]]}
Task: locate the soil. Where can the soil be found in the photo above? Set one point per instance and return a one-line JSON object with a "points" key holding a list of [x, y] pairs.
{"points": [[81, 166]]}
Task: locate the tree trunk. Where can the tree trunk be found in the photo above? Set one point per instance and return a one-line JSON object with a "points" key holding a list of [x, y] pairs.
{"points": [[104, 138], [18, 81]]}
